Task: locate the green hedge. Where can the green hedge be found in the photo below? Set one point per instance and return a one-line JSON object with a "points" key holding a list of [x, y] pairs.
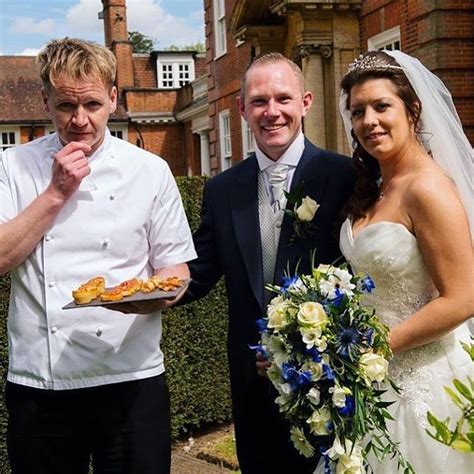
{"points": [[194, 344]]}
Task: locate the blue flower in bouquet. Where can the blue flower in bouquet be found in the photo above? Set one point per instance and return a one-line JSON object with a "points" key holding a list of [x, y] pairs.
{"points": [[347, 341], [367, 285], [259, 348], [294, 377], [328, 372], [315, 354], [290, 282], [338, 297], [349, 408], [262, 325]]}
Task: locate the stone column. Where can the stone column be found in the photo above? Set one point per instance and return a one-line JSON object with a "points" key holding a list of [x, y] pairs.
{"points": [[205, 155], [315, 124]]}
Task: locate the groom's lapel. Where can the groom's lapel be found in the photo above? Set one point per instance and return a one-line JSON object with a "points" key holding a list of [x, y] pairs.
{"points": [[309, 173], [244, 205]]}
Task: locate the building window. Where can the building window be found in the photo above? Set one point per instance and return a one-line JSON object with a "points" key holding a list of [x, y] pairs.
{"points": [[247, 139], [219, 25], [224, 139], [175, 71], [389, 39], [9, 137], [119, 131]]}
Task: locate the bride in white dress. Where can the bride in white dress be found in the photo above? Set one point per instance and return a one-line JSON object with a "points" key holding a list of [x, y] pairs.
{"points": [[408, 227]]}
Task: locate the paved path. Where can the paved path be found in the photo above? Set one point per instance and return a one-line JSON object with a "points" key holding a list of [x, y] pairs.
{"points": [[182, 463]]}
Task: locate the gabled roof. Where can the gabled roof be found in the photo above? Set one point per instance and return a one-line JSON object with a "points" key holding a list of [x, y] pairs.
{"points": [[20, 92]]}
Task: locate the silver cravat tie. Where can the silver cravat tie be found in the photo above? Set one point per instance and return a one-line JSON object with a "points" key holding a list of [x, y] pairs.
{"points": [[278, 176]]}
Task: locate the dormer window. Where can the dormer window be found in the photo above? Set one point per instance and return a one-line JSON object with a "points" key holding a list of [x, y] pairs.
{"points": [[174, 70]]}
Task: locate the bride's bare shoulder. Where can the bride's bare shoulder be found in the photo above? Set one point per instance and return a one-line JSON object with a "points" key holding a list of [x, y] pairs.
{"points": [[428, 181], [431, 191]]}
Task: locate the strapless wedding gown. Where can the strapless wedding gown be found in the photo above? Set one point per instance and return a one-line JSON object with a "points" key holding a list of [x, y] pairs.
{"points": [[389, 253]]}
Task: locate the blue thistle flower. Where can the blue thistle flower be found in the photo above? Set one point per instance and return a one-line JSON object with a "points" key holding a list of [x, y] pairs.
{"points": [[347, 341]]}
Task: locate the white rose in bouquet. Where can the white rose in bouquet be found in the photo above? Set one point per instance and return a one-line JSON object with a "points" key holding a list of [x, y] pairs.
{"points": [[351, 462], [312, 314], [374, 367]]}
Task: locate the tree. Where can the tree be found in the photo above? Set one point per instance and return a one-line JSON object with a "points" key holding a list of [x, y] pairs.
{"points": [[140, 42], [198, 46]]}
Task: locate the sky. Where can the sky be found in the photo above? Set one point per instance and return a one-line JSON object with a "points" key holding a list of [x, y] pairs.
{"points": [[27, 25]]}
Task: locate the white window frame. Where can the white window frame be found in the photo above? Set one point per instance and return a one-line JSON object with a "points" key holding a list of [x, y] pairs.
{"points": [[225, 141], [385, 40], [175, 61], [8, 130], [248, 144], [121, 129], [220, 31]]}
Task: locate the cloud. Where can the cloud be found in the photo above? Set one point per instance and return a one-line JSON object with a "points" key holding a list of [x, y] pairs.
{"points": [[151, 19], [29, 52], [146, 16], [26, 24], [82, 20]]}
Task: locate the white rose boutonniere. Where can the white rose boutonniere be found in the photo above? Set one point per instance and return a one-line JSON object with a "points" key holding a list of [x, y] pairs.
{"points": [[302, 211], [307, 209]]}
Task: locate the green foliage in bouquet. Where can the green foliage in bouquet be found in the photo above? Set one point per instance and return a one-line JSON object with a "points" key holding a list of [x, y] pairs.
{"points": [[461, 438]]}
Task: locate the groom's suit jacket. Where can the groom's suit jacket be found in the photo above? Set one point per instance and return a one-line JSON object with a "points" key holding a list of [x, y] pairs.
{"points": [[228, 244]]}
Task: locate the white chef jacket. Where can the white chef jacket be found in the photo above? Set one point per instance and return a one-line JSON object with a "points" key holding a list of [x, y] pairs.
{"points": [[125, 220]]}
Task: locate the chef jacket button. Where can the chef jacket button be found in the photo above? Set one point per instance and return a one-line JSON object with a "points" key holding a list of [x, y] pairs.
{"points": [[48, 238], [105, 243], [99, 332], [54, 329], [52, 284], [112, 196]]}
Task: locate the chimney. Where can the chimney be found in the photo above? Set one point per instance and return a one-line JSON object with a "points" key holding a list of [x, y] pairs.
{"points": [[114, 15]]}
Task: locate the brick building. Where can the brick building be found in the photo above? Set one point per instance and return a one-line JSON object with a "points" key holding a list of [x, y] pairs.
{"points": [[148, 85], [323, 37], [183, 106]]}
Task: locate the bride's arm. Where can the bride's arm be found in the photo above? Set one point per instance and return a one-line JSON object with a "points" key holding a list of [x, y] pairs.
{"points": [[443, 235]]}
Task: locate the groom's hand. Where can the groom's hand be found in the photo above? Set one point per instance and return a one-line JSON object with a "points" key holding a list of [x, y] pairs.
{"points": [[262, 364]]}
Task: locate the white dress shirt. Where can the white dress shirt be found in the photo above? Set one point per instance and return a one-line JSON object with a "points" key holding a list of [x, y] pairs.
{"points": [[291, 157], [125, 220]]}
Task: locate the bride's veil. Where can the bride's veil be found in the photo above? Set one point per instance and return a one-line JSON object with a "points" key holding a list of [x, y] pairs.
{"points": [[441, 129]]}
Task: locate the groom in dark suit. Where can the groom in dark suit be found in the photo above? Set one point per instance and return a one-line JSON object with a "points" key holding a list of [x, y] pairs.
{"points": [[245, 237]]}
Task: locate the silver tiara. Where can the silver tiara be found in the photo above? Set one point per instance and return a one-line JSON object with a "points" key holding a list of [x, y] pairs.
{"points": [[364, 62]]}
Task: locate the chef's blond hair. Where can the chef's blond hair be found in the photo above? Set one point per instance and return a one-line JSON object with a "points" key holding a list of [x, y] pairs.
{"points": [[76, 59]]}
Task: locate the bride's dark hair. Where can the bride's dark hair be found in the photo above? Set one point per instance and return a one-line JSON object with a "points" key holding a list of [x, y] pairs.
{"points": [[374, 65]]}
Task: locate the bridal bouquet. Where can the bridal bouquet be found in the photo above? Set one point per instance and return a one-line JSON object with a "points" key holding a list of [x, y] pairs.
{"points": [[329, 355]]}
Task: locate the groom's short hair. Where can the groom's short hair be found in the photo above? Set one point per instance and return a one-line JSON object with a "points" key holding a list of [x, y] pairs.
{"points": [[272, 58]]}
